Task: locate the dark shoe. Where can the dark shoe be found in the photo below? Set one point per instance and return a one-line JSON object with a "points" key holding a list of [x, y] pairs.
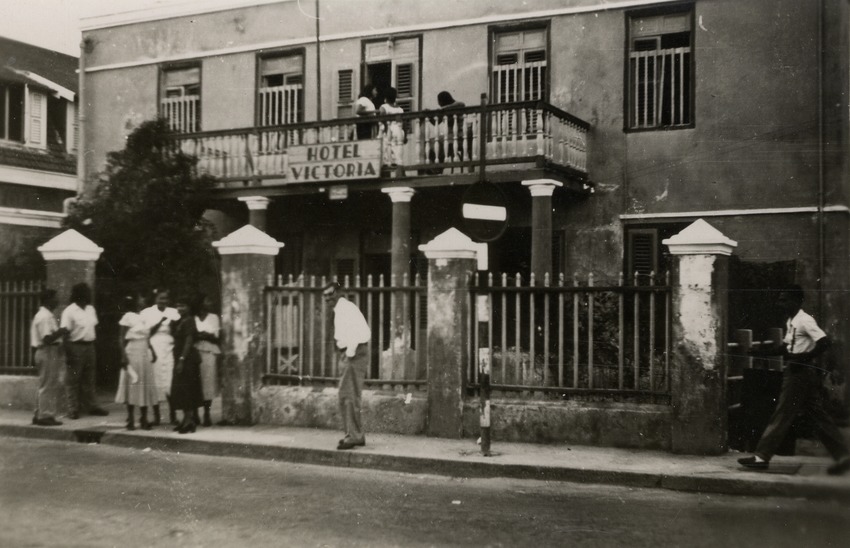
{"points": [[187, 429], [839, 468], [750, 462], [98, 412], [54, 422], [348, 443], [46, 422], [131, 426], [207, 420], [74, 415]]}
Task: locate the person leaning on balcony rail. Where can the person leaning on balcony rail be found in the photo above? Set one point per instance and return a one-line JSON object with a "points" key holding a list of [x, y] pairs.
{"points": [[365, 106], [445, 149], [394, 137], [80, 319], [137, 383], [352, 335], [801, 387], [46, 340]]}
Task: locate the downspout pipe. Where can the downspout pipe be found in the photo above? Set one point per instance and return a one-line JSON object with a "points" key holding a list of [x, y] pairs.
{"points": [[821, 221], [85, 47], [318, 66]]}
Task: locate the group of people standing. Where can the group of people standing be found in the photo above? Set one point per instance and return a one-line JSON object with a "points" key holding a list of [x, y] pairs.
{"points": [[394, 136], [168, 355]]}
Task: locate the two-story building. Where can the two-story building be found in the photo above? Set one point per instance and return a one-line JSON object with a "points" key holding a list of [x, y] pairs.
{"points": [[38, 127], [605, 126]]}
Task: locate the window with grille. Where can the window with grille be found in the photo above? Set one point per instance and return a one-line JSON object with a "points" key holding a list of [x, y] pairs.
{"points": [[519, 66], [281, 90], [180, 98], [660, 71]]}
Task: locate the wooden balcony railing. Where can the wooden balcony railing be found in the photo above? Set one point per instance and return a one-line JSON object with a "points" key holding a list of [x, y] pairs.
{"points": [[420, 143]]}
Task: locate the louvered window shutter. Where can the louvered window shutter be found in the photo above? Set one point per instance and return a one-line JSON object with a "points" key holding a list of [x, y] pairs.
{"points": [[345, 93], [643, 252], [37, 131]]}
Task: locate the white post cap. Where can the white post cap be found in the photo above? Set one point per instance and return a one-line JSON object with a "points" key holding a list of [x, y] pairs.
{"points": [[700, 238], [248, 240], [70, 246], [451, 244]]}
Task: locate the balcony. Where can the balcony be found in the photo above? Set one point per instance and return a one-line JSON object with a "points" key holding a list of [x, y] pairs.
{"points": [[502, 139]]}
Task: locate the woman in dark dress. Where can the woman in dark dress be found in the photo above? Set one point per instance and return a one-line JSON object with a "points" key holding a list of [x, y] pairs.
{"points": [[186, 391]]}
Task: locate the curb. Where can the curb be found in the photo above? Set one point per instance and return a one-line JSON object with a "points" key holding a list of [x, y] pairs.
{"points": [[443, 467]]}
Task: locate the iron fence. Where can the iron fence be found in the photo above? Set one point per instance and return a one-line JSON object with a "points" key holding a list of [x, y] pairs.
{"points": [[566, 338], [18, 304], [300, 348]]}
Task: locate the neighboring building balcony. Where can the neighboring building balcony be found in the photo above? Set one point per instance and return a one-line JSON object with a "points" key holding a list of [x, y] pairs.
{"points": [[502, 139]]}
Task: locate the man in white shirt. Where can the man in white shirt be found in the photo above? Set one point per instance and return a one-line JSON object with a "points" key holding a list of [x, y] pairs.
{"points": [[80, 320], [46, 341], [801, 388], [352, 335]]}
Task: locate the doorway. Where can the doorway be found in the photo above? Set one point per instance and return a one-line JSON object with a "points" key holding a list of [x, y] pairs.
{"points": [[380, 75]]}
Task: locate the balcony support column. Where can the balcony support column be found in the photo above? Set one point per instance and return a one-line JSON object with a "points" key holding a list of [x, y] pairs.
{"points": [[541, 225], [399, 359], [257, 208]]}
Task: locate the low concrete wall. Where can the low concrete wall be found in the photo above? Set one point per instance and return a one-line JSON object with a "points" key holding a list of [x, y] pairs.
{"points": [[608, 424], [18, 392], [319, 408]]}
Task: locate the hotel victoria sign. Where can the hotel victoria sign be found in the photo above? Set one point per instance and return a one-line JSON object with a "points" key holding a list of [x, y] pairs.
{"points": [[335, 161]]}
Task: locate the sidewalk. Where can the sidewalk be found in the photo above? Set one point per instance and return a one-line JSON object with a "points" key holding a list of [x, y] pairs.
{"points": [[789, 476]]}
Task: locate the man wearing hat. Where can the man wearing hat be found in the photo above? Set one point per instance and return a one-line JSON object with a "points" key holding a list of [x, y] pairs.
{"points": [[352, 335]]}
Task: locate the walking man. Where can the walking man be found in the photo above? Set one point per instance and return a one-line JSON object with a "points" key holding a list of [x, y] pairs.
{"points": [[80, 319], [45, 338], [352, 335], [801, 388]]}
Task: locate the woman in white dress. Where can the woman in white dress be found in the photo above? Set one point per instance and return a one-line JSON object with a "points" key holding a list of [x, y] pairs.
{"points": [[394, 137], [137, 385], [208, 327], [159, 318]]}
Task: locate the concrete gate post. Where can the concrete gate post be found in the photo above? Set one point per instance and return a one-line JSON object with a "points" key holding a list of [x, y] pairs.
{"points": [[247, 263], [699, 323], [451, 263], [71, 259]]}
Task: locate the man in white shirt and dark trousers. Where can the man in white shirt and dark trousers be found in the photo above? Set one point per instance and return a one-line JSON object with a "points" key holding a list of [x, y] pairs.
{"points": [[46, 341], [352, 335], [801, 388], [80, 320]]}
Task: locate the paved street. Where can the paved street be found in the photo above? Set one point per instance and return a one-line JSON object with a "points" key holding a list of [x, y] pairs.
{"points": [[64, 494]]}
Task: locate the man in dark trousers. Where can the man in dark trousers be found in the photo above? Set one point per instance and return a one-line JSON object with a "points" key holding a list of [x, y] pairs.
{"points": [[801, 388], [352, 335], [79, 320]]}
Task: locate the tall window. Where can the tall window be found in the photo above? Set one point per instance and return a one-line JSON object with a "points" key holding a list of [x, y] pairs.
{"points": [[660, 69], [519, 66], [12, 112], [180, 101], [281, 90]]}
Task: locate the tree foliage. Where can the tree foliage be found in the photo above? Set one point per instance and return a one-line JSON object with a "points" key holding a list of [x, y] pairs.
{"points": [[145, 213]]}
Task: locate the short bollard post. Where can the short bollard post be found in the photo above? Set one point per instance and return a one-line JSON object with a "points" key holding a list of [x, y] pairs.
{"points": [[483, 314]]}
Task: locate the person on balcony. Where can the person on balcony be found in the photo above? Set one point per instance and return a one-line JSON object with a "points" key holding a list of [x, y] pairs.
{"points": [[80, 319], [365, 106], [137, 382], [160, 317], [801, 387], [352, 335], [208, 327], [445, 139], [394, 137], [46, 340]]}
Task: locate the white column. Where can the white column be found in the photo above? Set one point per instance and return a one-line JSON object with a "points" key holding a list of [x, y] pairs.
{"points": [[257, 207], [541, 225]]}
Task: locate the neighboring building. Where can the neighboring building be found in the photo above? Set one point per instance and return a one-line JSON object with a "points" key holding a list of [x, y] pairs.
{"points": [[38, 127], [640, 116]]}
